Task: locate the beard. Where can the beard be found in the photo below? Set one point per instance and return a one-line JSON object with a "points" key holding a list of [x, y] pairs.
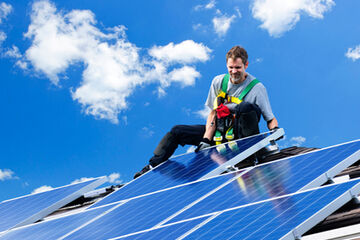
{"points": [[238, 78]]}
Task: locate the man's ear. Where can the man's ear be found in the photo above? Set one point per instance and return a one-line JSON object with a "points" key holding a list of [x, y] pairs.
{"points": [[246, 64]]}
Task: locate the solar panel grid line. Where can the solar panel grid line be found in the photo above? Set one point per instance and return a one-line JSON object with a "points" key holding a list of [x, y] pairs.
{"points": [[147, 212], [31, 194], [27, 209], [91, 220], [313, 222], [307, 153], [311, 204], [331, 173], [268, 200], [170, 235], [242, 228], [173, 187], [201, 198], [324, 212], [324, 177], [287, 178], [206, 217], [198, 226], [250, 213], [164, 172], [62, 202], [52, 228], [248, 152]]}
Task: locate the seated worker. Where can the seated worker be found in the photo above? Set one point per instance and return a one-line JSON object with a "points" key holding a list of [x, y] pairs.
{"points": [[236, 101]]}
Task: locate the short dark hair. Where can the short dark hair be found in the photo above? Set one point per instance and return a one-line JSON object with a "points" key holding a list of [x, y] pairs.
{"points": [[237, 52]]}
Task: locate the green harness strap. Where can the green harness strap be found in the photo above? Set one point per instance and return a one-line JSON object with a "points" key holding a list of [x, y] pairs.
{"points": [[225, 82], [229, 135]]}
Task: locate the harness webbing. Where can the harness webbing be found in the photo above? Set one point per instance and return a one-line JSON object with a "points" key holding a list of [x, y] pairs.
{"points": [[237, 100], [229, 135]]}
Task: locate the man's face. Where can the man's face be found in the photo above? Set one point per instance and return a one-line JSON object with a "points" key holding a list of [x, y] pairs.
{"points": [[236, 70]]}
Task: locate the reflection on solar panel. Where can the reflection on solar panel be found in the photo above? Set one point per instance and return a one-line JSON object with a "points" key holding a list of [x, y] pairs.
{"points": [[31, 208], [278, 178], [190, 167], [286, 217]]}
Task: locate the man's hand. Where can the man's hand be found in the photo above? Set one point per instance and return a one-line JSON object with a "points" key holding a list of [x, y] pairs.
{"points": [[205, 143]]}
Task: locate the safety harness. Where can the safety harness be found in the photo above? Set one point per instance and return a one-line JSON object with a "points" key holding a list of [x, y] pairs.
{"points": [[225, 120]]}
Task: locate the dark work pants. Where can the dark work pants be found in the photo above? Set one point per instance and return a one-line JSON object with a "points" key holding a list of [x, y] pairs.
{"points": [[247, 117]]}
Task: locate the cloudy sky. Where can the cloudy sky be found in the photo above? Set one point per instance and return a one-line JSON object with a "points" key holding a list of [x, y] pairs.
{"points": [[88, 88]]}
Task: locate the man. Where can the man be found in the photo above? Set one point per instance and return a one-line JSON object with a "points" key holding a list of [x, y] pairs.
{"points": [[247, 113]]}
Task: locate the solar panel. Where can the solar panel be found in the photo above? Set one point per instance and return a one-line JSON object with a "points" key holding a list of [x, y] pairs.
{"points": [[286, 217], [193, 166], [254, 203], [54, 228], [147, 211], [172, 231], [278, 178], [31, 208]]}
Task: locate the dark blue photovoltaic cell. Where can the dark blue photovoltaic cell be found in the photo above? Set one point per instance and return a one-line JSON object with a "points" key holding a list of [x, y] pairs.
{"points": [[146, 212], [15, 211], [179, 170], [271, 180], [53, 229], [272, 219], [168, 232]]}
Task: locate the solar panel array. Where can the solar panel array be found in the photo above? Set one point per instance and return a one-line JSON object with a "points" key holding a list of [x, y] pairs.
{"points": [[280, 199], [31, 208]]}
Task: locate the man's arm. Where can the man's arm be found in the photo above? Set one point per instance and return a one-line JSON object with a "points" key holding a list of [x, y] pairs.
{"points": [[273, 123], [210, 125]]}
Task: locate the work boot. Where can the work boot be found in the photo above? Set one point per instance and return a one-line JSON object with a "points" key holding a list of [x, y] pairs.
{"points": [[144, 170]]}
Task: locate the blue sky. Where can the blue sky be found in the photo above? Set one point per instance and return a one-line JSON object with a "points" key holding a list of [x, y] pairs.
{"points": [[88, 88]]}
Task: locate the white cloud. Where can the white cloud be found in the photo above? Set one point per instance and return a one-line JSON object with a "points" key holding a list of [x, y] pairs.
{"points": [[185, 76], [203, 113], [185, 52], [6, 174], [13, 52], [278, 16], [5, 10], [147, 132], [2, 37], [114, 67], [297, 141], [209, 5], [293, 141], [114, 178], [16, 54], [222, 24], [238, 12], [83, 179], [353, 53], [44, 188]]}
